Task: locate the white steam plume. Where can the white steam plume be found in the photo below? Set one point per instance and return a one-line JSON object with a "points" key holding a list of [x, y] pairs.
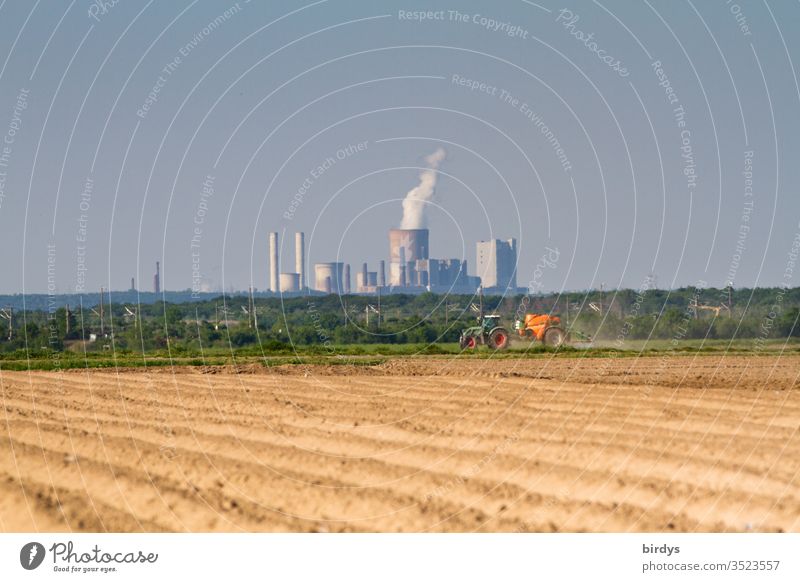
{"points": [[416, 200]]}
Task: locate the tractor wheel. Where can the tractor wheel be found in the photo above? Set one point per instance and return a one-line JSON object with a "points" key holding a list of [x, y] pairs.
{"points": [[467, 342], [499, 339], [554, 337]]}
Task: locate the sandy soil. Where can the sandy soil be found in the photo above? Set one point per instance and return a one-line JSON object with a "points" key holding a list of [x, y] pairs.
{"points": [[663, 443]]}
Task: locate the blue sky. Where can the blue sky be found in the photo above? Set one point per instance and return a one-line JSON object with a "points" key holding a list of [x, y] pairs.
{"points": [[556, 119]]}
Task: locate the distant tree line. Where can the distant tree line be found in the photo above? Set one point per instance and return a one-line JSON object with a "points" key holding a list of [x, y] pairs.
{"points": [[272, 323]]}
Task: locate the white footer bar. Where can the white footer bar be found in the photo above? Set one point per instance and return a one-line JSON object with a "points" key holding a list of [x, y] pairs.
{"points": [[400, 557]]}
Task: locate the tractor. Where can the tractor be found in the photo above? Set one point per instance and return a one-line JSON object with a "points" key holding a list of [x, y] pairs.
{"points": [[544, 328], [487, 332]]}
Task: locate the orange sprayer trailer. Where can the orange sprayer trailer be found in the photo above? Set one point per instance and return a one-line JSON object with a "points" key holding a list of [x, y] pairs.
{"points": [[542, 327]]}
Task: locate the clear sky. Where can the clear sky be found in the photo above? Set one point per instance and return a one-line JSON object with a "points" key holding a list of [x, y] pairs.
{"points": [[633, 137]]}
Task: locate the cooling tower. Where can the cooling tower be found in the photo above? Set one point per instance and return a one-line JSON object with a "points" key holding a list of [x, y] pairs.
{"points": [[289, 282], [405, 245], [300, 258], [328, 271], [273, 262]]}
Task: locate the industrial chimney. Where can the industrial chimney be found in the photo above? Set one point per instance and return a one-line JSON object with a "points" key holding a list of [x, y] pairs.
{"points": [[273, 262], [347, 279], [300, 258], [157, 279], [382, 274]]}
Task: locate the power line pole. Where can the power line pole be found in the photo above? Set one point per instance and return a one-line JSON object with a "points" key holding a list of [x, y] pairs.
{"points": [[602, 296], [253, 308], [730, 300], [9, 315]]}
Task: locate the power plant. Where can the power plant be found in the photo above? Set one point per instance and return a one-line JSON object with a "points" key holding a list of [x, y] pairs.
{"points": [[411, 268]]}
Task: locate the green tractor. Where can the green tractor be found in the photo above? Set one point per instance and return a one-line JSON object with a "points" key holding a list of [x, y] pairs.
{"points": [[487, 332]]}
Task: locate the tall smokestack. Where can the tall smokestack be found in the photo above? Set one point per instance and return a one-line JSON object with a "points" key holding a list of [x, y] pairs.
{"points": [[300, 258], [157, 279], [133, 287], [382, 274], [347, 279], [273, 262], [364, 276]]}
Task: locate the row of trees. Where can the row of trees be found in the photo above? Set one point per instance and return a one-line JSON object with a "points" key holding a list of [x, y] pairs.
{"points": [[425, 318]]}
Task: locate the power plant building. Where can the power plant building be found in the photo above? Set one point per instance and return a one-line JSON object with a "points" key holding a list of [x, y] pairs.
{"points": [[411, 267], [329, 277], [405, 246], [441, 275], [290, 282], [497, 264], [367, 282]]}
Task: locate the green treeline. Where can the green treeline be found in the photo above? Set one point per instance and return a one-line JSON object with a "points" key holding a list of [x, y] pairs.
{"points": [[398, 319]]}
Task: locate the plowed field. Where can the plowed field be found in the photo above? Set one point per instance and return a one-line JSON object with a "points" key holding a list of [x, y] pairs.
{"points": [[661, 443]]}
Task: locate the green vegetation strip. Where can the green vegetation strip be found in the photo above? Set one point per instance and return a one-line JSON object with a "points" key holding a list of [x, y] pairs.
{"points": [[368, 355]]}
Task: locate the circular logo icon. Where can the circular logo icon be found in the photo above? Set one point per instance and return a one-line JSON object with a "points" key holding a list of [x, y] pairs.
{"points": [[31, 555]]}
